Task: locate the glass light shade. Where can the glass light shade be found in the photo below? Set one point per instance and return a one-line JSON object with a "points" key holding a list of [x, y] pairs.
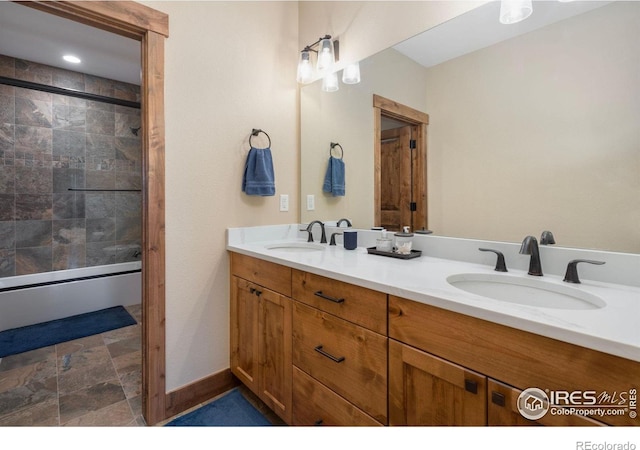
{"points": [[351, 74], [514, 11], [305, 69], [326, 56], [330, 82]]}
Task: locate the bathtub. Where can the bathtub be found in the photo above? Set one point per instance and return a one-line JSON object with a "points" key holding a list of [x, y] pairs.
{"points": [[29, 299]]}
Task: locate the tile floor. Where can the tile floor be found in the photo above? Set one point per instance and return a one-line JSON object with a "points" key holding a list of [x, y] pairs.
{"points": [[93, 381]]}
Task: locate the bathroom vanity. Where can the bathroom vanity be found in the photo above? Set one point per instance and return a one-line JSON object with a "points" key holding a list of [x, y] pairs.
{"points": [[326, 336]]}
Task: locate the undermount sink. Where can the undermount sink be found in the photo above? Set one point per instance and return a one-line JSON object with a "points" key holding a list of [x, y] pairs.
{"points": [[296, 247], [525, 291]]}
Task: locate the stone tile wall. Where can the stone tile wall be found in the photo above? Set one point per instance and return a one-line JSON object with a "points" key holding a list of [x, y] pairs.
{"points": [[50, 143]]}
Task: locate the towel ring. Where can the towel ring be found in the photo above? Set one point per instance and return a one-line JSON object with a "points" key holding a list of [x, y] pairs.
{"points": [[335, 144], [256, 132]]}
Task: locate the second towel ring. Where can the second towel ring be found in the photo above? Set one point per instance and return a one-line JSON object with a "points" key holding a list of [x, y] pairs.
{"points": [[335, 144], [256, 132]]}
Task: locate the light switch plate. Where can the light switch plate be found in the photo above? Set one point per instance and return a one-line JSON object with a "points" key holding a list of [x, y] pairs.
{"points": [[311, 202], [284, 202]]}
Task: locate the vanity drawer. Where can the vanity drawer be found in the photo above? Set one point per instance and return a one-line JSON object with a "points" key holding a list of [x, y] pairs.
{"points": [[353, 303], [265, 273], [315, 404], [348, 359]]}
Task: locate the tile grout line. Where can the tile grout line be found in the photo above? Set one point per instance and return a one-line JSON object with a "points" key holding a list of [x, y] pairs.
{"points": [[118, 375]]}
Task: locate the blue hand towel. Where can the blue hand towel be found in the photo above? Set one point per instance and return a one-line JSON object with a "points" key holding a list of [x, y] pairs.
{"points": [[334, 179], [258, 176]]}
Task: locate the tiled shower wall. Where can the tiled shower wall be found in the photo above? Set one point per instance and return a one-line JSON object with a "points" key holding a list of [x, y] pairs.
{"points": [[50, 143]]}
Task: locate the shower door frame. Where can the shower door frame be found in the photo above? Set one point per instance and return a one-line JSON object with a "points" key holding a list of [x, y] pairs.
{"points": [[150, 27]]}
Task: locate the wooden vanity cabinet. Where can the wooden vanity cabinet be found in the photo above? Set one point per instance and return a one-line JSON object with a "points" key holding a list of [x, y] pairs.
{"points": [[319, 351], [516, 358], [427, 390], [316, 404], [339, 352], [502, 410], [261, 331]]}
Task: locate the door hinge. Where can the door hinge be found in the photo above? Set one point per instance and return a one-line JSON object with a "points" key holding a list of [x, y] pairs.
{"points": [[413, 206], [412, 144]]}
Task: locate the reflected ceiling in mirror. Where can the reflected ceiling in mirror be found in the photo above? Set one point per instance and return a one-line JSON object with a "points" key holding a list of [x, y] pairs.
{"points": [[535, 132]]}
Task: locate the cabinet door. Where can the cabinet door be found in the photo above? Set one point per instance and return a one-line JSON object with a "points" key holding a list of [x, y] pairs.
{"points": [[503, 410], [427, 390], [274, 329], [244, 332]]}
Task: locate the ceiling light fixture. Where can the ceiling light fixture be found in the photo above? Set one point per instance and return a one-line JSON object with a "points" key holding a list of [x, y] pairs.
{"points": [[514, 11], [72, 59]]}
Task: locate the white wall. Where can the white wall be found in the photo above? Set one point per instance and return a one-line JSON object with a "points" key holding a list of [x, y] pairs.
{"points": [[230, 67]]}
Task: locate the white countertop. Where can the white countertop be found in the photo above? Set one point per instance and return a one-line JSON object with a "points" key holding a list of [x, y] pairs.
{"points": [[613, 329]]}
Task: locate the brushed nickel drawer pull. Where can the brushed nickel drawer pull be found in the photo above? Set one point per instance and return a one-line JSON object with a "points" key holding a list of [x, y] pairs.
{"points": [[326, 297], [331, 357]]}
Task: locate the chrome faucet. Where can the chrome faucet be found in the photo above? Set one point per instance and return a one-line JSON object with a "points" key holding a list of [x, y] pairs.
{"points": [[348, 222], [309, 229], [530, 247]]}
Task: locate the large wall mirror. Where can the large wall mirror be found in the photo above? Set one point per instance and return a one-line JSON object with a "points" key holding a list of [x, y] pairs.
{"points": [[533, 131]]}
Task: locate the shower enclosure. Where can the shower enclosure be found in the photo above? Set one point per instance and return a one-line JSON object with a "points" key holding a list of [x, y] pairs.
{"points": [[70, 200]]}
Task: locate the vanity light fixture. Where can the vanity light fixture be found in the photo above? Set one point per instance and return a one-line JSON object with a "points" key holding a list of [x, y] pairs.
{"points": [[330, 82], [514, 11], [305, 69], [72, 59], [327, 54], [351, 74]]}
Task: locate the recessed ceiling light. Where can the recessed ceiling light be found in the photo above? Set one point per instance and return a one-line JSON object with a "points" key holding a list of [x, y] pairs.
{"points": [[72, 59]]}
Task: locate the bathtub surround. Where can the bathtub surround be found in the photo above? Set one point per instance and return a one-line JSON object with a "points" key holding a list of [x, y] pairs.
{"points": [[30, 299], [50, 143]]}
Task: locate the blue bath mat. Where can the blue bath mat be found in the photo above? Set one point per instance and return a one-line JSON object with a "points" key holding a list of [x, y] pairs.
{"points": [[24, 339], [231, 410]]}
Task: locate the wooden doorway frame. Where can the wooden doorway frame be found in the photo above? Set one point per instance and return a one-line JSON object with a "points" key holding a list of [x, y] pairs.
{"points": [[389, 108], [150, 27]]}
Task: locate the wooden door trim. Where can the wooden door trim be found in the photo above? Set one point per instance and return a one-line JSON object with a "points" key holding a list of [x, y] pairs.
{"points": [[150, 27], [385, 107]]}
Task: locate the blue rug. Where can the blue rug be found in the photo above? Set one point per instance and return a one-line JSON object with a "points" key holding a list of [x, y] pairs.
{"points": [[24, 339], [231, 410]]}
